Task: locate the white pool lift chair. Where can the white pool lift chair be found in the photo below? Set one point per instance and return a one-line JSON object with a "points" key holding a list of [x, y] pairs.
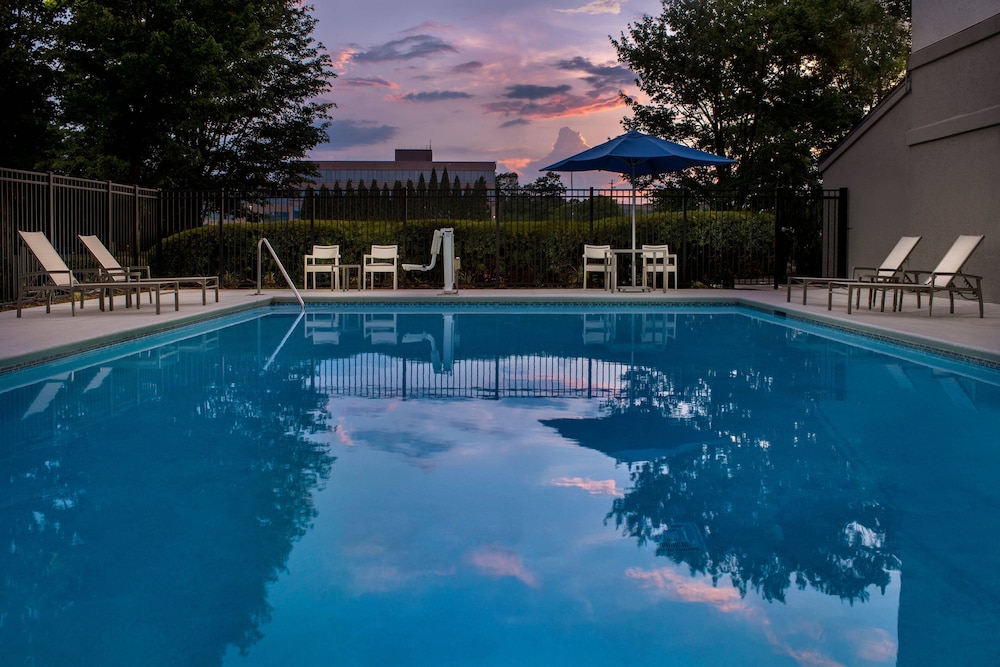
{"points": [[443, 242]]}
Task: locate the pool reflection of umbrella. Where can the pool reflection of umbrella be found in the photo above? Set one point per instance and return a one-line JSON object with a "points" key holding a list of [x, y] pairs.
{"points": [[634, 437], [636, 154]]}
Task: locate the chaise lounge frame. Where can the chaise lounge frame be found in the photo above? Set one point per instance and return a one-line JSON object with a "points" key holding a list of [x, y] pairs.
{"points": [[56, 277], [140, 276]]}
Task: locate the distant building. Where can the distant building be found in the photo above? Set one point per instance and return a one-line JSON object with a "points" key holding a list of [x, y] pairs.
{"points": [[926, 160], [409, 165]]}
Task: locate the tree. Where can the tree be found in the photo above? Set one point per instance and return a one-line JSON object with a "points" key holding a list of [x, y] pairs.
{"points": [[771, 84], [218, 93], [27, 82], [507, 183], [549, 185]]}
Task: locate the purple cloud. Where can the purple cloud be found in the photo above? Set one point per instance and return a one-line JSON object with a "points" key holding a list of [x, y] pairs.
{"points": [[467, 68], [365, 82], [436, 96], [601, 77], [525, 91], [349, 133], [407, 48]]}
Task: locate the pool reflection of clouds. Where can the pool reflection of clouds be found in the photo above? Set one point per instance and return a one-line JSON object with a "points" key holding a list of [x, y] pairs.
{"points": [[497, 561], [669, 583], [606, 487], [493, 496], [805, 630]]}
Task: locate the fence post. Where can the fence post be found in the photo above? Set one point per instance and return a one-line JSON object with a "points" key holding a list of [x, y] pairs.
{"points": [[591, 213], [52, 206], [138, 224], [780, 242], [312, 216], [843, 220], [683, 270], [406, 217], [109, 237], [222, 215], [161, 222], [497, 255]]}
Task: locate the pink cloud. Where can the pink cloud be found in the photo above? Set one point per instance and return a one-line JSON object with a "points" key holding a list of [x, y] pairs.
{"points": [[559, 106], [875, 644], [498, 562], [604, 487], [673, 585], [596, 7]]}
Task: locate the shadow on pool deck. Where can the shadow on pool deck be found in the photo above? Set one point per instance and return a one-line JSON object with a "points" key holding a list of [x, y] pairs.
{"points": [[37, 337]]}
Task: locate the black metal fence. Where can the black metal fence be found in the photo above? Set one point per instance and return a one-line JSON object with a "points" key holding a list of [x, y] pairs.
{"points": [[504, 239]]}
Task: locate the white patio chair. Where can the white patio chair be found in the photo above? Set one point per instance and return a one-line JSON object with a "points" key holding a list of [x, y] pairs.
{"points": [[380, 328], [657, 259], [324, 259], [381, 259], [598, 259]]}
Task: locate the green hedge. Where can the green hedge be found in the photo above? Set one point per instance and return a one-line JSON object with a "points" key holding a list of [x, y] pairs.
{"points": [[531, 253]]}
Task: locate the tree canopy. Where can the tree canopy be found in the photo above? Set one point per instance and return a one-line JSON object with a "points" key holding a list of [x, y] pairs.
{"points": [[219, 93], [27, 82], [770, 83]]}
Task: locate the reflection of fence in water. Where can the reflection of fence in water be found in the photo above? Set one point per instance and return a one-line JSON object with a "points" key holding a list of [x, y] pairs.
{"points": [[374, 375], [49, 411]]}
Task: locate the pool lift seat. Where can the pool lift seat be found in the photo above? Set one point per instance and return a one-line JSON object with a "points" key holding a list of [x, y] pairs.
{"points": [[443, 241], [443, 360]]}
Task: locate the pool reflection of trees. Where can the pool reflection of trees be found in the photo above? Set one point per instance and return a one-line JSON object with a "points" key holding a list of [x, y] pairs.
{"points": [[90, 566], [734, 474]]}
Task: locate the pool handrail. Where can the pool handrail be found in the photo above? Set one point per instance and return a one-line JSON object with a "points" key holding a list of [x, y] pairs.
{"points": [[263, 241]]}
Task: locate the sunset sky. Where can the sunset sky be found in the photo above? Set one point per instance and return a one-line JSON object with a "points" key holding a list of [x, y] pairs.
{"points": [[519, 82]]}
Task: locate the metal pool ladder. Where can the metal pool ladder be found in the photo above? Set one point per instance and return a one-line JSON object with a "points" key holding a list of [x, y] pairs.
{"points": [[264, 242]]}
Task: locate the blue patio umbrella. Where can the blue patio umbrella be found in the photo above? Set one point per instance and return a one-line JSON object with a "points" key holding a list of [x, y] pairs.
{"points": [[636, 154]]}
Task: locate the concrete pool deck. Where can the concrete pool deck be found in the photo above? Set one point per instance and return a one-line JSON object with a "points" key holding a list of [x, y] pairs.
{"points": [[38, 337]]}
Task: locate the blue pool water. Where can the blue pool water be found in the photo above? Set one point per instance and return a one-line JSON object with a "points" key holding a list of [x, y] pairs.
{"points": [[501, 486]]}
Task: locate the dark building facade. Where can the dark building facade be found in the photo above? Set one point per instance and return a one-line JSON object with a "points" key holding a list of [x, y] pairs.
{"points": [[408, 165]]}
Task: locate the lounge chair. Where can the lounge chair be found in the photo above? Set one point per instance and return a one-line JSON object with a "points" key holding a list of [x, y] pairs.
{"points": [[56, 277], [322, 259], [598, 259], [382, 259], [657, 259], [140, 275], [946, 277], [889, 270]]}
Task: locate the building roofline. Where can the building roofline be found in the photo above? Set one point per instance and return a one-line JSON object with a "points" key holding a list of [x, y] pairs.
{"points": [[894, 97]]}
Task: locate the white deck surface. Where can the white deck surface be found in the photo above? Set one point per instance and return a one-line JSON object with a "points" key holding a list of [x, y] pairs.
{"points": [[37, 337]]}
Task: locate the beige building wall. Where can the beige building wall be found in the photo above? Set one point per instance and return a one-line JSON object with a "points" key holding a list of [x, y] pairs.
{"points": [[927, 160], [933, 20]]}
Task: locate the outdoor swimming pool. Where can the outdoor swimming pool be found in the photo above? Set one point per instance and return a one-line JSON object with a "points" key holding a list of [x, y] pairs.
{"points": [[501, 485]]}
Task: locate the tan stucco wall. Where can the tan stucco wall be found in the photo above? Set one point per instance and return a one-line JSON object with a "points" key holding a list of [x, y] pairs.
{"points": [[933, 20], [930, 164], [877, 213]]}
